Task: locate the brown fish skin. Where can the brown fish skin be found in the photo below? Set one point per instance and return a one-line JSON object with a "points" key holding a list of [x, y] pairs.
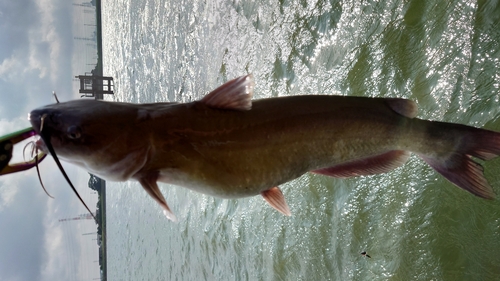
{"points": [[228, 146]]}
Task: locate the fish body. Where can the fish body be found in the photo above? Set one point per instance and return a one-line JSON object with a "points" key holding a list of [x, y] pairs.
{"points": [[228, 146]]}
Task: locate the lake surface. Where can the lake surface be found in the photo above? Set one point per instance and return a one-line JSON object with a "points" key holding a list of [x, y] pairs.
{"points": [[445, 55]]}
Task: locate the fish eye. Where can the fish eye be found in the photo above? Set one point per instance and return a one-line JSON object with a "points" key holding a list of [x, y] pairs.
{"points": [[73, 132]]}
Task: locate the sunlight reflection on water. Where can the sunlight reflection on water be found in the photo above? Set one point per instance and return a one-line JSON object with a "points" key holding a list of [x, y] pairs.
{"points": [[415, 225]]}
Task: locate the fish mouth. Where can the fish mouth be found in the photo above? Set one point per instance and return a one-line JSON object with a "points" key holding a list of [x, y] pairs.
{"points": [[47, 124], [35, 118], [43, 124], [40, 145]]}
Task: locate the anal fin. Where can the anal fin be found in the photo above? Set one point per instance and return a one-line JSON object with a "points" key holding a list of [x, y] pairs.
{"points": [[275, 198], [151, 186], [378, 164]]}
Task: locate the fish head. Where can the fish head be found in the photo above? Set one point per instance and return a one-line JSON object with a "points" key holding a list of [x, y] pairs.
{"points": [[66, 126], [92, 134]]}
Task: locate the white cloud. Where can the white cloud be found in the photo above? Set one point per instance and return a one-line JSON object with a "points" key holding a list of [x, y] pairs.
{"points": [[64, 251], [35, 59], [50, 36], [7, 195], [55, 262], [11, 125], [9, 68]]}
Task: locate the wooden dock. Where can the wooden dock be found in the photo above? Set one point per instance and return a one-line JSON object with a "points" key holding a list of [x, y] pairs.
{"points": [[95, 86]]}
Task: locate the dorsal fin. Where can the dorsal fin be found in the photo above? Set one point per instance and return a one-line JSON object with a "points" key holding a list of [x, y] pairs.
{"points": [[275, 198], [235, 94]]}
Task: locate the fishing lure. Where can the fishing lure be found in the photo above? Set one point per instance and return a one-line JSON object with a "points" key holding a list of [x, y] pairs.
{"points": [[6, 147], [7, 143]]}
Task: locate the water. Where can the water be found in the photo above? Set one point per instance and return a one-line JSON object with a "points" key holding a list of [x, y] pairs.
{"points": [[445, 55]]}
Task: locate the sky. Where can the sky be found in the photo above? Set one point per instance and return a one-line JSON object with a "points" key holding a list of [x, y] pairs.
{"points": [[37, 54]]}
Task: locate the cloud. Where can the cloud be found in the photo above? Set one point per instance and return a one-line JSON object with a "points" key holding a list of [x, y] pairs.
{"points": [[55, 33], [37, 57], [9, 67], [12, 125], [22, 229], [16, 18], [34, 244], [56, 264], [63, 245]]}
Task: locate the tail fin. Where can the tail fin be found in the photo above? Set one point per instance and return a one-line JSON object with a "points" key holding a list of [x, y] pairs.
{"points": [[460, 167]]}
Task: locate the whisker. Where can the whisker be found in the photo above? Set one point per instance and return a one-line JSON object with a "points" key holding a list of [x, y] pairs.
{"points": [[46, 138], [55, 96], [34, 154], [42, 120], [40, 177]]}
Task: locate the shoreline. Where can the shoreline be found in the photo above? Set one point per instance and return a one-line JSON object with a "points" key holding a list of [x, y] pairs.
{"points": [[100, 184]]}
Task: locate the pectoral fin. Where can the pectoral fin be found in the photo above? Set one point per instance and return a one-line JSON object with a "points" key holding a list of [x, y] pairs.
{"points": [[149, 184], [275, 198]]}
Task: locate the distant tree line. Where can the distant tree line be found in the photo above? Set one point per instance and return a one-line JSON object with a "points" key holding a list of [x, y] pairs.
{"points": [[95, 184]]}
